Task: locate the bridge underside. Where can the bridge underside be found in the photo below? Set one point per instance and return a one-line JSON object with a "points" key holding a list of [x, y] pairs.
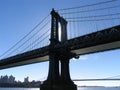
{"points": [[34, 56], [104, 40], [98, 48], [20, 63]]}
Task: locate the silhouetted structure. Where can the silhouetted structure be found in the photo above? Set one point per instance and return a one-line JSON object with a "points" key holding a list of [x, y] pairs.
{"points": [[58, 80], [61, 50]]}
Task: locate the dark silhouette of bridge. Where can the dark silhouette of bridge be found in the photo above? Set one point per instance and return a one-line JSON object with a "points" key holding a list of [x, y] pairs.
{"points": [[63, 49]]}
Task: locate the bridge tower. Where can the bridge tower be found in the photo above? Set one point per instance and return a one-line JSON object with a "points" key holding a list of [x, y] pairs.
{"points": [[58, 79]]}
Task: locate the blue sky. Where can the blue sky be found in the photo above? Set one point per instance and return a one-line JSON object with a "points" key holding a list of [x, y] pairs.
{"points": [[18, 17]]}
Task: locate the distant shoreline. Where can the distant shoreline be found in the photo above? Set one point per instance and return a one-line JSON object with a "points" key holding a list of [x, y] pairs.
{"points": [[20, 85]]}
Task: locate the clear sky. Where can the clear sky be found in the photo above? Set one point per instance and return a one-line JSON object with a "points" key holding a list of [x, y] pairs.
{"points": [[18, 17]]}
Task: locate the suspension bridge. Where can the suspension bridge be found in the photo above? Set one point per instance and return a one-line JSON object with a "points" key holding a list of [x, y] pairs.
{"points": [[113, 78], [68, 33]]}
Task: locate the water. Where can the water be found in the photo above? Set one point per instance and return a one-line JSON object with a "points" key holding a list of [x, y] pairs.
{"points": [[98, 88], [19, 88], [81, 88]]}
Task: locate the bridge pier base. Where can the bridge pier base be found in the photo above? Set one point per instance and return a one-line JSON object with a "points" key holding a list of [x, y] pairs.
{"points": [[55, 81], [47, 85], [58, 87]]}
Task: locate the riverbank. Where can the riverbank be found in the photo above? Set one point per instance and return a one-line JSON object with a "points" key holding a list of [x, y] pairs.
{"points": [[21, 85]]}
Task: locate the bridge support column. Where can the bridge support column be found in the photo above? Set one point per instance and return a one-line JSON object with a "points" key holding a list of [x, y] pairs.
{"points": [[55, 81], [65, 76]]}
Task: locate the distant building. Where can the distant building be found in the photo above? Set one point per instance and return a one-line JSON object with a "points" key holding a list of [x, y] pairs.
{"points": [[11, 79], [4, 79], [19, 82], [26, 80]]}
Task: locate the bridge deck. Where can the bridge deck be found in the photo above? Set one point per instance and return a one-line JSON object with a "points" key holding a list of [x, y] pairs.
{"points": [[103, 40], [34, 56]]}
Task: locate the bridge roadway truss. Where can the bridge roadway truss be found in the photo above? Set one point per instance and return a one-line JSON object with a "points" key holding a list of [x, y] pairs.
{"points": [[61, 51]]}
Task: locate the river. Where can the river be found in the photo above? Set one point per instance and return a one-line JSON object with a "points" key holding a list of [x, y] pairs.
{"points": [[80, 88]]}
